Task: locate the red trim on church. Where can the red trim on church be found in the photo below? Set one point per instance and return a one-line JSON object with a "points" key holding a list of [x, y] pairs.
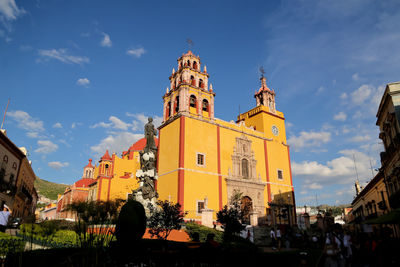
{"points": [[267, 170], [158, 156], [181, 173], [99, 190], [290, 167], [219, 168]]}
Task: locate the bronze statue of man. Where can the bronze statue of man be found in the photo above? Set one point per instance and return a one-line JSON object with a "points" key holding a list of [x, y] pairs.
{"points": [[149, 133]]}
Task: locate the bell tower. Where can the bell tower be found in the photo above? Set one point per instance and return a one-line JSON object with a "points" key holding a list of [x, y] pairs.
{"points": [[265, 96], [190, 92]]}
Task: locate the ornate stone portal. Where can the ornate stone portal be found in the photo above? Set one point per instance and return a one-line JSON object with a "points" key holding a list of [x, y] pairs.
{"points": [[243, 177], [147, 175]]}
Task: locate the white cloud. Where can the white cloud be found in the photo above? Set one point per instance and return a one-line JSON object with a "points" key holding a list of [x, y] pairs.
{"points": [[25, 121], [360, 95], [114, 123], [341, 116], [106, 41], [57, 125], [320, 89], [83, 82], [143, 119], [136, 52], [9, 10], [314, 186], [116, 142], [57, 164], [75, 124], [46, 146], [309, 139], [343, 96], [340, 170], [360, 138], [61, 55], [355, 77]]}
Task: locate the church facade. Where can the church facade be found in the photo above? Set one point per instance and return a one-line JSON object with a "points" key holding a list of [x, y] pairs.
{"points": [[203, 161]]}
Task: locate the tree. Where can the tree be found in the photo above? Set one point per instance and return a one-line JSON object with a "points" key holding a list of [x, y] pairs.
{"points": [[165, 218], [94, 220], [231, 217]]}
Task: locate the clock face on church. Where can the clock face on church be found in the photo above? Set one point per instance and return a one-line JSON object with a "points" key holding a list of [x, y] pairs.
{"points": [[275, 130]]}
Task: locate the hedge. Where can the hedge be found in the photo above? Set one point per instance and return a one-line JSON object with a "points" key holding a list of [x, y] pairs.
{"points": [[10, 243]]}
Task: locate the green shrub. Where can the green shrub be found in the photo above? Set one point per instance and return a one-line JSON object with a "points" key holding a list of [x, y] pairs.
{"points": [[10, 244], [203, 231], [131, 222]]}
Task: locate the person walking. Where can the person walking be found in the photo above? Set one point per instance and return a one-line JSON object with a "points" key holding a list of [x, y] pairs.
{"points": [[273, 238], [4, 217], [279, 238]]}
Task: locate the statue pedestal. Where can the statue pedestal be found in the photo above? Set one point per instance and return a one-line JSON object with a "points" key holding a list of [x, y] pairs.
{"points": [[145, 202], [254, 218], [207, 217]]}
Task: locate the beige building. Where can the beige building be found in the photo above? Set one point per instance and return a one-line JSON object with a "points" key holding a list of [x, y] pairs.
{"points": [[26, 196], [10, 161], [16, 179], [371, 201], [388, 117]]}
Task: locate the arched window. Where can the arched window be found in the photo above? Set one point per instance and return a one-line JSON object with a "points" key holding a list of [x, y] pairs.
{"points": [[177, 104], [245, 168], [188, 63], [193, 101], [180, 65], [5, 158], [205, 105], [261, 100], [14, 166], [106, 169], [195, 65], [180, 79], [201, 84], [169, 109], [192, 80]]}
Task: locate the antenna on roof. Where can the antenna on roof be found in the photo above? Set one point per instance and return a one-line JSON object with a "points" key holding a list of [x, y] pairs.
{"points": [[5, 112], [370, 164], [355, 166]]}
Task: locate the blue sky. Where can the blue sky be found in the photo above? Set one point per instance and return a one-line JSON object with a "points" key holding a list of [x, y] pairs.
{"points": [[83, 76]]}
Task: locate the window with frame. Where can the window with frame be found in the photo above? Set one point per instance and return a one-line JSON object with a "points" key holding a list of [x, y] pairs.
{"points": [[200, 159], [14, 166], [280, 174], [200, 206], [5, 158]]}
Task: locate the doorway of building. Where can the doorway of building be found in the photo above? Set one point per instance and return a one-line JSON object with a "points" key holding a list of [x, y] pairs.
{"points": [[247, 208]]}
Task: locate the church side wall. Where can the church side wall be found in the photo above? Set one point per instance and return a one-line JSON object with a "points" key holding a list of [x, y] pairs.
{"points": [[122, 184], [201, 180]]}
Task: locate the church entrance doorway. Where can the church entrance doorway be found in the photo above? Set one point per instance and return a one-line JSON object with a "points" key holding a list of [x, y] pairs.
{"points": [[247, 208]]}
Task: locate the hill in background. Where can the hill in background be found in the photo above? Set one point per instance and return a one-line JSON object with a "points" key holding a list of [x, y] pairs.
{"points": [[49, 189]]}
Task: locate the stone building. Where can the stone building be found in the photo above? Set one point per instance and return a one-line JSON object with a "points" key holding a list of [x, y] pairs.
{"points": [[79, 191], [17, 179], [388, 118]]}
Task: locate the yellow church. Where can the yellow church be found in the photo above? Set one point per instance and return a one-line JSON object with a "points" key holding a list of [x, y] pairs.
{"points": [[203, 160]]}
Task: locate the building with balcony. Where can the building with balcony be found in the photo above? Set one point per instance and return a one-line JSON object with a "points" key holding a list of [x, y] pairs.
{"points": [[388, 120], [370, 201]]}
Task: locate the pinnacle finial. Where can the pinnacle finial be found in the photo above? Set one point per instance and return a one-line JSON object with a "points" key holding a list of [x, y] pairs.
{"points": [[167, 90], [211, 88], [205, 68], [173, 70]]}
